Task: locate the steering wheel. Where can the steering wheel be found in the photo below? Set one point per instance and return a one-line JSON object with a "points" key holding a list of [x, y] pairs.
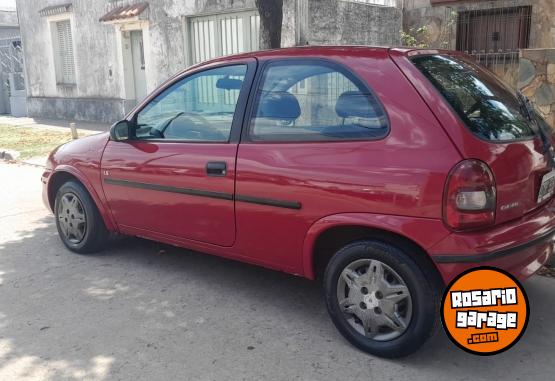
{"points": [[197, 127]]}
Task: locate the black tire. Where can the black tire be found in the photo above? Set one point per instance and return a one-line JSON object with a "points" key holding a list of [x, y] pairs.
{"points": [[424, 294], [95, 232]]}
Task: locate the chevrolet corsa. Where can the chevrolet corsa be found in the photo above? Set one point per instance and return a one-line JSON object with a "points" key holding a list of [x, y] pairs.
{"points": [[382, 172]]}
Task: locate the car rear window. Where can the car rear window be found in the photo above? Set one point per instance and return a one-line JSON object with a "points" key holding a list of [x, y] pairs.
{"points": [[489, 108]]}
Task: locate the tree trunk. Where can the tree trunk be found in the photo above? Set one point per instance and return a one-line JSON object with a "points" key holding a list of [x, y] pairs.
{"points": [[271, 17]]}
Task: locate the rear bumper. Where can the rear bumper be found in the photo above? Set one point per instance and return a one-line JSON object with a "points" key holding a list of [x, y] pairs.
{"points": [[520, 247]]}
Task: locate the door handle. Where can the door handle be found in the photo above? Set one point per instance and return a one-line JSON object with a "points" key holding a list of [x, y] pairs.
{"points": [[216, 168]]}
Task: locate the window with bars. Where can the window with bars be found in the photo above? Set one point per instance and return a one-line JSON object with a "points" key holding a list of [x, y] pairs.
{"points": [[63, 52], [223, 34], [494, 31], [383, 3]]}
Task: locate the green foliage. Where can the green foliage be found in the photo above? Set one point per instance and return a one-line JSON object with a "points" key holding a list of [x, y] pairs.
{"points": [[419, 37], [415, 37]]}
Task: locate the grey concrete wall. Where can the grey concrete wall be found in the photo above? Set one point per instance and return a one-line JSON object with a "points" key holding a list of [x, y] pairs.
{"points": [[95, 54], [102, 109], [8, 18], [97, 46], [332, 22], [98, 68], [7, 32]]}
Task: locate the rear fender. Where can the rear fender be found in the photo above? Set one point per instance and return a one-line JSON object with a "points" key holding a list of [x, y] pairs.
{"points": [[424, 232]]}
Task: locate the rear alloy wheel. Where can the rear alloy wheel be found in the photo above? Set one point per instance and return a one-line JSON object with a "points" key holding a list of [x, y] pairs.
{"points": [[379, 298], [79, 223], [374, 299]]}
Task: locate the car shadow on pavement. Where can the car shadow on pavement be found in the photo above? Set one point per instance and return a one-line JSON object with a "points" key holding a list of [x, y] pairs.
{"points": [[145, 310]]}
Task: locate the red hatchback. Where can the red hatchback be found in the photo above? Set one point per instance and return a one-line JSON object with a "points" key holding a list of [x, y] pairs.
{"points": [[383, 172]]}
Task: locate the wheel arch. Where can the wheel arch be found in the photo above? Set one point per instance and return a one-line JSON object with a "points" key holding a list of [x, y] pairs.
{"points": [[61, 175], [329, 234]]}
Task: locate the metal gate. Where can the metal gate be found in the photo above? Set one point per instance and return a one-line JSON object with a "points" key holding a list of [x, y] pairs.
{"points": [[493, 32], [12, 82], [223, 34]]}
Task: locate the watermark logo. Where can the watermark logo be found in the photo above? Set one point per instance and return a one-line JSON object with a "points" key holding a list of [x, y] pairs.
{"points": [[485, 311]]}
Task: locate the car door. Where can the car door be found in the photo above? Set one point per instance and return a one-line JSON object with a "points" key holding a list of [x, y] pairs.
{"points": [[175, 175], [308, 151]]}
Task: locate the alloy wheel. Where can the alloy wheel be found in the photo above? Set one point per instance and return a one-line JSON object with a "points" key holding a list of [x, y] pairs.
{"points": [[374, 299], [72, 218]]}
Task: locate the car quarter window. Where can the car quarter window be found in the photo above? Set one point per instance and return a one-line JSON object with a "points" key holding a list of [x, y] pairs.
{"points": [[314, 101], [199, 108]]}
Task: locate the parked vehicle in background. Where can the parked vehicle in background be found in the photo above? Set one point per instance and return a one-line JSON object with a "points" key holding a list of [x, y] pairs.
{"points": [[382, 172]]}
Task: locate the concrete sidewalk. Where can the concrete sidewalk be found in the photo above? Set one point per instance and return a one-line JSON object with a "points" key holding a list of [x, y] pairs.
{"points": [[141, 310], [57, 124]]}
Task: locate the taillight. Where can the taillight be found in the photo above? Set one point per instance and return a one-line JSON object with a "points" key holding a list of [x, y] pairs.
{"points": [[469, 199]]}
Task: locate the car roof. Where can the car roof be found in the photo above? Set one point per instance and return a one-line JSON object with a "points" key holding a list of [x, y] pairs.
{"points": [[322, 51], [307, 50]]}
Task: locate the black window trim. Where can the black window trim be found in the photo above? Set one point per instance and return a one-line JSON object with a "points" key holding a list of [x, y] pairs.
{"points": [[452, 109], [340, 67], [234, 136]]}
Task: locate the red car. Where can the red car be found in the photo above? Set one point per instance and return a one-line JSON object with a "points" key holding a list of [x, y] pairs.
{"points": [[383, 172]]}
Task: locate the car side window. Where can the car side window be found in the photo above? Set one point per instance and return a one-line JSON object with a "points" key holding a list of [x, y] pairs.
{"points": [[314, 102], [199, 108]]}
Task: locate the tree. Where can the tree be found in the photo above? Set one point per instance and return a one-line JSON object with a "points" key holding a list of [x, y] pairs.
{"points": [[271, 17]]}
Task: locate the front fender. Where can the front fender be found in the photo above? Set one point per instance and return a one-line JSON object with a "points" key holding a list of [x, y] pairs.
{"points": [[99, 201], [425, 232]]}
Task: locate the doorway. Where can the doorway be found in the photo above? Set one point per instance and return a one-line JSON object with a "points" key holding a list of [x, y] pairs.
{"points": [[138, 64]]}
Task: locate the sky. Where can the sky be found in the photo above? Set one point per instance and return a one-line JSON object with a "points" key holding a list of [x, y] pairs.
{"points": [[7, 4]]}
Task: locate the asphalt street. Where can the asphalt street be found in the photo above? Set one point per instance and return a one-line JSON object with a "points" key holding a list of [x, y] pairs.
{"points": [[146, 311]]}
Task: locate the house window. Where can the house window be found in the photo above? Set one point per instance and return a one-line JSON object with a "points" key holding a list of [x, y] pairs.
{"points": [[220, 35], [498, 30], [63, 52], [383, 3]]}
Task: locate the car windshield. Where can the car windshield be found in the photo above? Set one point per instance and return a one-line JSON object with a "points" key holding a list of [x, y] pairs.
{"points": [[488, 107]]}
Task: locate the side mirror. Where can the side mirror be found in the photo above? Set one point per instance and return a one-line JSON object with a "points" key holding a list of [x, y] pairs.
{"points": [[120, 131]]}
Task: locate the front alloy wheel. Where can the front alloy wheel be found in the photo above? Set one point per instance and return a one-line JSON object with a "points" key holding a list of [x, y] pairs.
{"points": [[78, 220], [72, 218]]}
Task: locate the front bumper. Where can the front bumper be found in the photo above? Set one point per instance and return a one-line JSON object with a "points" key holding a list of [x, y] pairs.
{"points": [[44, 180], [520, 247]]}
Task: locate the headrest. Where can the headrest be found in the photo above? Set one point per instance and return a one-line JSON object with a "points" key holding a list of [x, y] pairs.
{"points": [[279, 105], [356, 104]]}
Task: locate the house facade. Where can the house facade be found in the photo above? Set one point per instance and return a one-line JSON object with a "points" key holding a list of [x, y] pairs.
{"points": [[95, 59], [493, 31]]}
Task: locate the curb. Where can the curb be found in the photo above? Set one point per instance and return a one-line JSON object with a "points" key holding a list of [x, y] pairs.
{"points": [[12, 157], [31, 164], [9, 155]]}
